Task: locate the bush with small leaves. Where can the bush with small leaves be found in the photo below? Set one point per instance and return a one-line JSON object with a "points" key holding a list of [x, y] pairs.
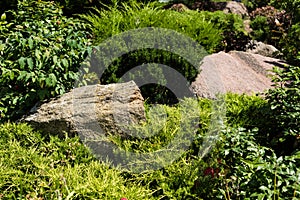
{"points": [[291, 41], [284, 99], [69, 7], [270, 24], [40, 53], [279, 26], [251, 171]]}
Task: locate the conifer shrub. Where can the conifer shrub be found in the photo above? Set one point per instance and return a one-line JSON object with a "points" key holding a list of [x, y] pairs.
{"points": [[213, 31]]}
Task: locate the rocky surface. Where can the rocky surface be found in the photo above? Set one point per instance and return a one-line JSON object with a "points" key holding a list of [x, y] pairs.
{"points": [[237, 72], [94, 108], [179, 7], [236, 8], [262, 49]]}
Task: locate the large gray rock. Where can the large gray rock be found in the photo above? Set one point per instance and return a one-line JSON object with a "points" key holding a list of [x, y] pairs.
{"points": [[237, 72], [96, 108]]}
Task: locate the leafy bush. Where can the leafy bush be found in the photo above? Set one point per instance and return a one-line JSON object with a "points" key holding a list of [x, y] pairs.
{"points": [[69, 7], [270, 25], [234, 35], [116, 19], [279, 25], [41, 52], [236, 168], [285, 104], [291, 44], [251, 171], [290, 6]]}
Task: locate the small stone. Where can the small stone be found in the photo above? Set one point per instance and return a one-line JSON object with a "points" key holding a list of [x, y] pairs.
{"points": [[262, 49]]}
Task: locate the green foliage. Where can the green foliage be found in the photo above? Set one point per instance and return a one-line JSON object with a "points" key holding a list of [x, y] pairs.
{"points": [[118, 18], [234, 36], [291, 44], [169, 130], [270, 25], [208, 29], [213, 31], [69, 7], [237, 167], [242, 110], [41, 52], [33, 167], [251, 171], [285, 103], [279, 26], [290, 6]]}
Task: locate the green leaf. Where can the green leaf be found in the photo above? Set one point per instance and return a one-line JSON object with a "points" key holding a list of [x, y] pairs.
{"points": [[3, 17], [22, 62], [11, 75], [30, 63], [22, 75], [2, 47], [53, 77], [29, 76], [65, 63], [38, 54], [30, 42], [54, 59], [264, 188], [15, 100], [48, 82], [51, 80]]}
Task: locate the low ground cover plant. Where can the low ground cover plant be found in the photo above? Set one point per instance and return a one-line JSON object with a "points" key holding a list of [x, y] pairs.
{"points": [[35, 166], [237, 167]]}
